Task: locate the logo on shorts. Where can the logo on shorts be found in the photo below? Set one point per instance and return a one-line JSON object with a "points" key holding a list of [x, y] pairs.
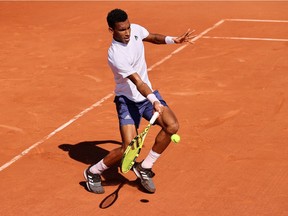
{"points": [[127, 117], [136, 37]]}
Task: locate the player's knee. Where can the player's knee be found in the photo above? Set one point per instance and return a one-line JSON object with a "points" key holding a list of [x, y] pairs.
{"points": [[173, 128]]}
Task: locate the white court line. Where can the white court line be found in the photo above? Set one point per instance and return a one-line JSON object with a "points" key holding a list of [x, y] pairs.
{"points": [[256, 20], [13, 160], [246, 38], [98, 103]]}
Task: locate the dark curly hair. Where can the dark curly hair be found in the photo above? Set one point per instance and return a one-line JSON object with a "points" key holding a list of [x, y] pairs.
{"points": [[116, 15]]}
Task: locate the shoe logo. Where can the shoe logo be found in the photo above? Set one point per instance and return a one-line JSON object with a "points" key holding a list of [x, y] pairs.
{"points": [[144, 175]]}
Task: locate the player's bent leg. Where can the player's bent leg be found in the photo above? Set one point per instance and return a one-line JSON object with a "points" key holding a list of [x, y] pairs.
{"points": [[168, 121], [169, 124], [93, 175]]}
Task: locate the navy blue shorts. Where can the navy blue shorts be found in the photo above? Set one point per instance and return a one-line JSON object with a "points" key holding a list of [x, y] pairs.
{"points": [[130, 112]]}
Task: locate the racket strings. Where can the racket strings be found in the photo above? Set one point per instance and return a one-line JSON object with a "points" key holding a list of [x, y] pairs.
{"points": [[133, 150]]}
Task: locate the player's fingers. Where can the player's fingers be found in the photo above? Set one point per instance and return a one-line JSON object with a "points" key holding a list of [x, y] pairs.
{"points": [[160, 109], [185, 34], [188, 35], [192, 30], [189, 32]]}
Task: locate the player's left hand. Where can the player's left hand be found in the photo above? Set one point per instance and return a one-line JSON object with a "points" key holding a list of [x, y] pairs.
{"points": [[186, 37]]}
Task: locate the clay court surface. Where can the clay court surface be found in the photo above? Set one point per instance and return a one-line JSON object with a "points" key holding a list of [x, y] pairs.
{"points": [[228, 89]]}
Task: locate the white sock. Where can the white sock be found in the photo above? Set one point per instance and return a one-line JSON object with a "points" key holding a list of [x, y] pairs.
{"points": [[98, 168], [150, 160]]}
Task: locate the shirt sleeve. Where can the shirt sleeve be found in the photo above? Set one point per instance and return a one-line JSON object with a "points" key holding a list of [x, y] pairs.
{"points": [[143, 32]]}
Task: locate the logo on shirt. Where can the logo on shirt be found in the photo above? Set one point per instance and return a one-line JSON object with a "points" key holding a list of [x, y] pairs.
{"points": [[136, 37]]}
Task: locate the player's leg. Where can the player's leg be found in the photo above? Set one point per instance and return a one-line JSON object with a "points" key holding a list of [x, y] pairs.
{"points": [[127, 117], [93, 173], [169, 125], [128, 132]]}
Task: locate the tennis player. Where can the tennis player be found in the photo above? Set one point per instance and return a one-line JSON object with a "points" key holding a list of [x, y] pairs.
{"points": [[134, 97]]}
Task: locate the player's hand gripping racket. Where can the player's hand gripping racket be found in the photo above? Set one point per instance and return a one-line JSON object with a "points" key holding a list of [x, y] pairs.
{"points": [[133, 149]]}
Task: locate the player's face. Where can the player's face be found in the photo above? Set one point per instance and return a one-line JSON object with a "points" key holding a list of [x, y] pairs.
{"points": [[121, 32]]}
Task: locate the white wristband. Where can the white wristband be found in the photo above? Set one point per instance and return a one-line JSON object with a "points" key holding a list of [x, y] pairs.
{"points": [[169, 40], [152, 98]]}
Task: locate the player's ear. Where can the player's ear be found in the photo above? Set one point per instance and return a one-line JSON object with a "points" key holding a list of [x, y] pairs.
{"points": [[110, 30]]}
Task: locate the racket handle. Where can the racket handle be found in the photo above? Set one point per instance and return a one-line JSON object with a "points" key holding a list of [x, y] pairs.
{"points": [[154, 117]]}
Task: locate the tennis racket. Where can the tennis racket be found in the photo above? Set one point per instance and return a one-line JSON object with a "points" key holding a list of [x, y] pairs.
{"points": [[133, 149]]}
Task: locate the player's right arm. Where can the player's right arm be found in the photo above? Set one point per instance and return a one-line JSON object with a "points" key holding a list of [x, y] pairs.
{"points": [[145, 90]]}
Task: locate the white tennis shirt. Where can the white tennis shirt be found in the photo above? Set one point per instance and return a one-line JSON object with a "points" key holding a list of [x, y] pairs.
{"points": [[126, 59]]}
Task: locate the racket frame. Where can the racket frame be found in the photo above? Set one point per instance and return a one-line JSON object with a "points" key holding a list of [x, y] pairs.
{"points": [[136, 144]]}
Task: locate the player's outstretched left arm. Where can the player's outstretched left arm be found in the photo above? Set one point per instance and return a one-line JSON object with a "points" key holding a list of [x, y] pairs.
{"points": [[162, 39]]}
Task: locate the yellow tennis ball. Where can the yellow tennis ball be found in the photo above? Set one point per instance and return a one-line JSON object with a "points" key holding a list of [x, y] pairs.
{"points": [[175, 138]]}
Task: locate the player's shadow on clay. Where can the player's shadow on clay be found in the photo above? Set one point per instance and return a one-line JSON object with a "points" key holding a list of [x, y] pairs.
{"points": [[88, 152]]}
